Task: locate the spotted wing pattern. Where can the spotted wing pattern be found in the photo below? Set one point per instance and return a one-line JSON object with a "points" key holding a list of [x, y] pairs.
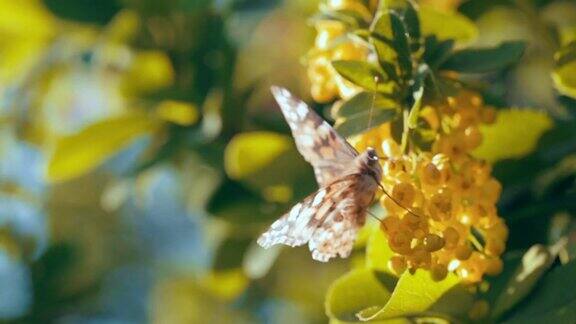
{"points": [[316, 140], [327, 220]]}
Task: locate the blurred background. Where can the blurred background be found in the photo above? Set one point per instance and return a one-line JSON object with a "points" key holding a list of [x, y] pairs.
{"points": [[141, 154]]}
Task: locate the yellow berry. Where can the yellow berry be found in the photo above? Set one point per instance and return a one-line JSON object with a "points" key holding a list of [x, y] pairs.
{"points": [[494, 247], [397, 264], [472, 137], [433, 242], [421, 258], [440, 206], [494, 266], [451, 237], [438, 272], [463, 252], [390, 224], [400, 242], [431, 175], [404, 194]]}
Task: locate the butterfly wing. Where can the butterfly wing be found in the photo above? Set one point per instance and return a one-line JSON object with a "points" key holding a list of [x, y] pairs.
{"points": [[327, 220], [316, 140]]}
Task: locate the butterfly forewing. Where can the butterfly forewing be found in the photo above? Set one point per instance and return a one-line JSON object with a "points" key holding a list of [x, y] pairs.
{"points": [[316, 140]]}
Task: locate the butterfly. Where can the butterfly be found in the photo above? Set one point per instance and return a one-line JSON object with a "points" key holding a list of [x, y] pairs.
{"points": [[328, 219]]}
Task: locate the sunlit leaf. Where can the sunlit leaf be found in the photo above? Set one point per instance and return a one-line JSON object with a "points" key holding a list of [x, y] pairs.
{"points": [[248, 152], [378, 251], [415, 110], [150, 70], [78, 154], [514, 134], [225, 284], [177, 112], [356, 291], [413, 294], [446, 25], [564, 78], [480, 60], [268, 164]]}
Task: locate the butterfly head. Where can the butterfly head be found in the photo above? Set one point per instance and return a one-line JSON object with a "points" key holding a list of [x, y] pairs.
{"points": [[371, 154], [368, 164]]}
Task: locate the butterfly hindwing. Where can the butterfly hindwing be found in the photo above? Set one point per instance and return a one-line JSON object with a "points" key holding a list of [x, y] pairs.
{"points": [[327, 220], [316, 140]]}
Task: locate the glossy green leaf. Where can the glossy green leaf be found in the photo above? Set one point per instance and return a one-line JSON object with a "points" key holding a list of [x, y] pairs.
{"points": [[481, 60], [356, 291], [437, 52], [363, 74], [554, 301], [364, 110], [391, 41], [514, 134], [414, 294], [446, 25]]}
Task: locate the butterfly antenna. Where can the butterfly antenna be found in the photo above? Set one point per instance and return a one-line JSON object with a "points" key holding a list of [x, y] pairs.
{"points": [[375, 217], [376, 81], [396, 202]]}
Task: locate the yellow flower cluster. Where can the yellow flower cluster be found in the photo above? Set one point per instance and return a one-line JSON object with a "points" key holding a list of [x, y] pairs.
{"points": [[441, 212], [333, 43]]}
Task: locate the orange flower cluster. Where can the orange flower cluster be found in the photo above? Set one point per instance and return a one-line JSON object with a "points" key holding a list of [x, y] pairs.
{"points": [[333, 43], [441, 212]]}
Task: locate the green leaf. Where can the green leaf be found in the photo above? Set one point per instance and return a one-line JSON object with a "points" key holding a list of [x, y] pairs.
{"points": [[90, 11], [415, 294], [549, 181], [378, 251], [483, 60], [249, 152], [410, 18], [363, 111], [514, 134], [267, 163], [363, 74], [533, 265], [446, 25], [554, 301], [391, 41], [356, 291], [564, 77], [436, 52], [80, 153], [418, 94]]}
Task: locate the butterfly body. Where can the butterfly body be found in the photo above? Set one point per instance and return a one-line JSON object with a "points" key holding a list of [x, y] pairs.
{"points": [[328, 219]]}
